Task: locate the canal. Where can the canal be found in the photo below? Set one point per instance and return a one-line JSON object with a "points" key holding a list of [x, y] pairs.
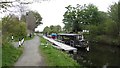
{"points": [[101, 56]]}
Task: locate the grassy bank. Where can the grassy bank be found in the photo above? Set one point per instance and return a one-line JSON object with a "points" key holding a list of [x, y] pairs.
{"points": [[10, 54], [0, 51], [0, 57], [55, 57]]}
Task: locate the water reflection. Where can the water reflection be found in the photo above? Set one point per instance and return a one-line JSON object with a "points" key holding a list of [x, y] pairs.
{"points": [[99, 55]]}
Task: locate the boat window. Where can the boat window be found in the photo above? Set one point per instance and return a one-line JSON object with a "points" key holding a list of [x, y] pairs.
{"points": [[78, 37]]}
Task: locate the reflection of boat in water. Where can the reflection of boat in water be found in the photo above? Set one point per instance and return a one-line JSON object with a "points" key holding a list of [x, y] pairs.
{"points": [[75, 40]]}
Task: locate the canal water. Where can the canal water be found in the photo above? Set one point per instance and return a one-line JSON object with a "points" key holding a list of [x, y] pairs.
{"points": [[100, 56]]}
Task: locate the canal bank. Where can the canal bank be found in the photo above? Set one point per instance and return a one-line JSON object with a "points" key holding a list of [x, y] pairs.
{"points": [[55, 57], [100, 56]]}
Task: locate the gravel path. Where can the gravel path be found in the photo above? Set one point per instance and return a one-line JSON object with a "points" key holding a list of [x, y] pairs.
{"points": [[31, 54]]}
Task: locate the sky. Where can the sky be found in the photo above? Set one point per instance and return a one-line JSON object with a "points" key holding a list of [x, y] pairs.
{"points": [[52, 11]]}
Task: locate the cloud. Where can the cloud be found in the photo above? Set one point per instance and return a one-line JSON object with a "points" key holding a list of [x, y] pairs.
{"points": [[52, 10]]}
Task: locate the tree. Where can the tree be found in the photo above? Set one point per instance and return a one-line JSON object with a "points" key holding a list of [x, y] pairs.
{"points": [[59, 29], [33, 19], [115, 15], [69, 18], [52, 29], [110, 28], [90, 15], [6, 21], [37, 17], [46, 30], [12, 26], [23, 18], [20, 5], [75, 18], [5, 4]]}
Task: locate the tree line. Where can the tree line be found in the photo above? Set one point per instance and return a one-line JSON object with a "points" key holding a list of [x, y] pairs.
{"points": [[103, 26], [18, 27], [52, 29]]}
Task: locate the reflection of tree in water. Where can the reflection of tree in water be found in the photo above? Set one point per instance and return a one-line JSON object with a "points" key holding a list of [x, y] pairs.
{"points": [[81, 56], [99, 55]]}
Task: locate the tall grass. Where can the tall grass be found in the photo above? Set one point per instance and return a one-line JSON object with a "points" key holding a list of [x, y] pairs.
{"points": [[0, 57], [0, 51], [10, 54]]}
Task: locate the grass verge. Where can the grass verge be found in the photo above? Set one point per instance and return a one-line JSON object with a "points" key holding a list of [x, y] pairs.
{"points": [[0, 57], [0, 51], [55, 57], [10, 55]]}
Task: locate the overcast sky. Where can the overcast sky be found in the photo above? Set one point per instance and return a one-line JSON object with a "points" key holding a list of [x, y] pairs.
{"points": [[52, 10]]}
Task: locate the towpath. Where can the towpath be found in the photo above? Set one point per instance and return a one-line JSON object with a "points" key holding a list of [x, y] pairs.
{"points": [[31, 55]]}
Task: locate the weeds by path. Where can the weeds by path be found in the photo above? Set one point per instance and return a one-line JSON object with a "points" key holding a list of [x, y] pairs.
{"points": [[10, 54]]}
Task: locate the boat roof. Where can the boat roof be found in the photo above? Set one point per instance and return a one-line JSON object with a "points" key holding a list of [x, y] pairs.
{"points": [[68, 34], [54, 34]]}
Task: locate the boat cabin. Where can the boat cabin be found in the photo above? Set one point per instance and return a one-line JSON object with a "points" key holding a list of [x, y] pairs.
{"points": [[75, 40]]}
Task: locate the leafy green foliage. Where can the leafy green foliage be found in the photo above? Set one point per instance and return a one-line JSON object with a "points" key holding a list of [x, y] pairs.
{"points": [[23, 18], [12, 26], [46, 30], [52, 29], [111, 28], [115, 15], [75, 18], [101, 25]]}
